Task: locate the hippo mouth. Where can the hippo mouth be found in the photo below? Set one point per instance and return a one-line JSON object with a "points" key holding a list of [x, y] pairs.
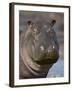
{"points": [[46, 60]]}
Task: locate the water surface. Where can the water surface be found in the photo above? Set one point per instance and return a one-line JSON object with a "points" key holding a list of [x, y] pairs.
{"points": [[57, 69]]}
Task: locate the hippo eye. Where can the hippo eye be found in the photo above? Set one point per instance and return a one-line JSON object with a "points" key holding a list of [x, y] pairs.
{"points": [[35, 30], [47, 28]]}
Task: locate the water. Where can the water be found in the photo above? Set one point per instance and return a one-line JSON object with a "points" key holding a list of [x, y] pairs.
{"points": [[57, 69]]}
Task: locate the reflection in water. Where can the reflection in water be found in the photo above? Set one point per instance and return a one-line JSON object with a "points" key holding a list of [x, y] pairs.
{"points": [[57, 69]]}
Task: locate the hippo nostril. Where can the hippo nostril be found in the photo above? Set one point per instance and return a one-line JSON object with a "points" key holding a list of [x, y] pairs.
{"points": [[42, 48], [53, 47]]}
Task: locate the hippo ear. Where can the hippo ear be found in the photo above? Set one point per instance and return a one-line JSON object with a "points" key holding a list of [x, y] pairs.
{"points": [[52, 23], [29, 23]]}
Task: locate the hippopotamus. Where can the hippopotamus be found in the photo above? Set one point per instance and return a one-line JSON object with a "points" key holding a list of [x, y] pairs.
{"points": [[39, 49]]}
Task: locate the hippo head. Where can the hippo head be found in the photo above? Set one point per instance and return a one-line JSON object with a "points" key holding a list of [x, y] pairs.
{"points": [[41, 43]]}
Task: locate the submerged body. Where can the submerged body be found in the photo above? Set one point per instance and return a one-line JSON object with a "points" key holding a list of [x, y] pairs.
{"points": [[39, 50]]}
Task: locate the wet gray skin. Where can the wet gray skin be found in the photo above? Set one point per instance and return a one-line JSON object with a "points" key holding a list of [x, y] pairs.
{"points": [[41, 47]]}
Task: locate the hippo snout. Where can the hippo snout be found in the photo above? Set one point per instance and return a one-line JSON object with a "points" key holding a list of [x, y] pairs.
{"points": [[47, 56]]}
